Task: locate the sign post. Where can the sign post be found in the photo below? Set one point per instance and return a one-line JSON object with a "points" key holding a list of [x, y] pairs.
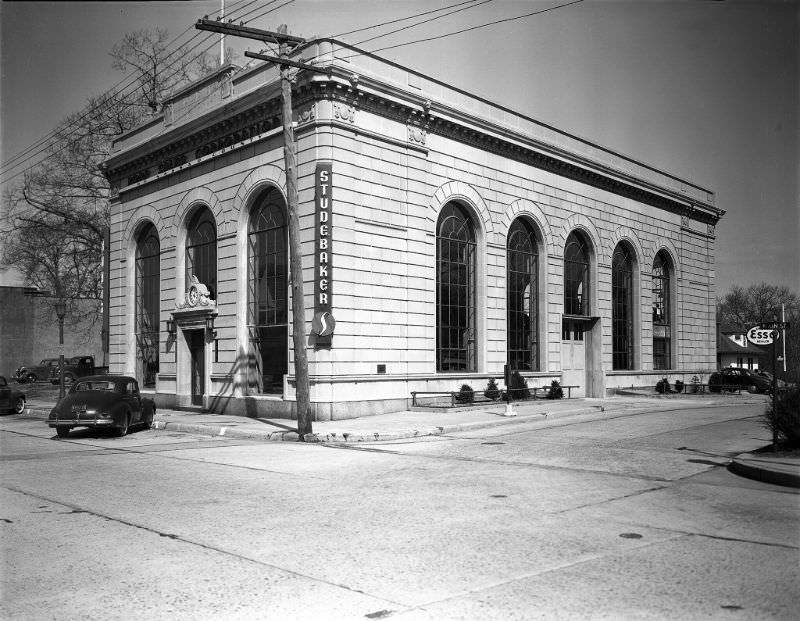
{"points": [[767, 335]]}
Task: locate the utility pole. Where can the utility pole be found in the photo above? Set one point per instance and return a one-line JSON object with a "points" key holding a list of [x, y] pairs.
{"points": [[286, 43]]}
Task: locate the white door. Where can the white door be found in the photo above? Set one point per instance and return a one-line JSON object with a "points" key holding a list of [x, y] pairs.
{"points": [[573, 357]]}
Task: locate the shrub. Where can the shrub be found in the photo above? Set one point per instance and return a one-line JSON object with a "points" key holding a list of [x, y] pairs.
{"points": [[492, 391], [466, 394], [662, 386], [785, 417], [555, 392], [678, 386], [518, 387], [695, 384]]}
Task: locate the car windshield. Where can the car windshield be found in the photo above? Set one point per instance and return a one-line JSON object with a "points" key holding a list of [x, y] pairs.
{"points": [[105, 385]]}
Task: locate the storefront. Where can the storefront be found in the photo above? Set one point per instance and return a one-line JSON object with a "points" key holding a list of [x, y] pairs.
{"points": [[443, 237]]}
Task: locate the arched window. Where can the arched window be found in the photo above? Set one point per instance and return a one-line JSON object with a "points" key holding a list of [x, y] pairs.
{"points": [[267, 253], [148, 304], [662, 330], [201, 250], [576, 276], [622, 307], [455, 290], [522, 297]]}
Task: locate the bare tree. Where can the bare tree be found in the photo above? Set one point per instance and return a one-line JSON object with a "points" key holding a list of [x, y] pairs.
{"points": [[58, 215], [745, 307]]}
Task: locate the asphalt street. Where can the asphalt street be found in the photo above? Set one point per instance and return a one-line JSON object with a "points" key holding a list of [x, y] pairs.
{"points": [[631, 517]]}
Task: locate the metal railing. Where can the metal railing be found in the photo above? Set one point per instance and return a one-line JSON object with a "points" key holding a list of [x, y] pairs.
{"points": [[451, 399]]}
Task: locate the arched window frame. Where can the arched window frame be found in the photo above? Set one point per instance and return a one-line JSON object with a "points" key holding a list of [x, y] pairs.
{"points": [[662, 276], [147, 314], [201, 250], [622, 310], [268, 291], [456, 290], [522, 297]]}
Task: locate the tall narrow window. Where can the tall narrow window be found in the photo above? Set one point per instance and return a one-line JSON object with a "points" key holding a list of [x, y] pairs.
{"points": [[662, 330], [201, 251], [622, 308], [522, 298], [455, 290], [148, 304], [268, 299], [576, 276]]}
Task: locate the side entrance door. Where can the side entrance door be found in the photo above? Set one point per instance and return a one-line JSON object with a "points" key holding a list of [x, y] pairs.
{"points": [[197, 348], [573, 356]]}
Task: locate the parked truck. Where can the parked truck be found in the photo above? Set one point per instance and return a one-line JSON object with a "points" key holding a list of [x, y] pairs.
{"points": [[75, 367]]}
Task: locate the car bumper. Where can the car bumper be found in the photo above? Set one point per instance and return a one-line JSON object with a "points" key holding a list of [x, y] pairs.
{"points": [[81, 422]]}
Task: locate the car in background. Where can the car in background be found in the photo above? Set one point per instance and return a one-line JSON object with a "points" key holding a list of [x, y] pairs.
{"points": [[33, 373], [102, 402], [75, 367], [735, 378], [11, 401]]}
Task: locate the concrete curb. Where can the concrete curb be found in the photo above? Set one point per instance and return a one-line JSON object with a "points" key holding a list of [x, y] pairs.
{"points": [[750, 466]]}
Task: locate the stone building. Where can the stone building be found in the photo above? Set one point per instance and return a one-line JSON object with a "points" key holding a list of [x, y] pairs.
{"points": [[443, 237]]}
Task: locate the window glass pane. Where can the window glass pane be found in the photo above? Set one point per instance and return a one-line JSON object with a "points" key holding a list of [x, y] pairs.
{"points": [[201, 251], [522, 298], [268, 275], [622, 308], [455, 291], [661, 312], [576, 276], [148, 303]]}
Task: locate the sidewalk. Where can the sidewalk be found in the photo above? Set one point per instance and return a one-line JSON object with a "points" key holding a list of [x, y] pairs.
{"points": [[782, 469]]}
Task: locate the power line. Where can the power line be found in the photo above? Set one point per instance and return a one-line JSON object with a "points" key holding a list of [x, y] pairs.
{"points": [[48, 141], [402, 19]]}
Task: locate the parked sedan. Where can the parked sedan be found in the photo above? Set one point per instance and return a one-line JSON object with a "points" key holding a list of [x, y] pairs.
{"points": [[11, 401], [102, 402], [736, 378], [34, 373]]}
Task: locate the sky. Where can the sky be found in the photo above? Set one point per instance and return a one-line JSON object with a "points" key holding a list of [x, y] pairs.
{"points": [[706, 90]]}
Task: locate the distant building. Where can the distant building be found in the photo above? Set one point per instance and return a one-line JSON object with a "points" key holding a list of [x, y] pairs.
{"points": [[734, 350], [29, 329], [444, 236]]}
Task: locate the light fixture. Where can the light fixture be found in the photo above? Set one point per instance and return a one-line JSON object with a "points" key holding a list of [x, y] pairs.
{"points": [[61, 308], [171, 326], [210, 324]]}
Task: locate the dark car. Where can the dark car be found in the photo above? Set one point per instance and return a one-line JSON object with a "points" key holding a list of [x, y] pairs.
{"points": [[10, 400], [41, 371], [734, 378], [102, 402]]}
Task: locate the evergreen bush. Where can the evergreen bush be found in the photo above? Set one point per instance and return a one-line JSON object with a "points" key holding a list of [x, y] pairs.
{"points": [[678, 386], [518, 387], [466, 394], [492, 391], [785, 417], [555, 392], [662, 386]]}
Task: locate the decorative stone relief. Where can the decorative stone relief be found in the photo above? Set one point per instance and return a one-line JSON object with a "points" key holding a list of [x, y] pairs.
{"points": [[416, 134], [685, 222], [711, 230], [307, 114], [168, 114], [344, 112], [226, 87]]}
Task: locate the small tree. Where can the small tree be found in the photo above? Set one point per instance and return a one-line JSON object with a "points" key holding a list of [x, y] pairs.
{"points": [[492, 391]]}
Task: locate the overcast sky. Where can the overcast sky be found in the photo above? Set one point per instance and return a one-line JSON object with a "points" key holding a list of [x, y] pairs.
{"points": [[705, 90]]}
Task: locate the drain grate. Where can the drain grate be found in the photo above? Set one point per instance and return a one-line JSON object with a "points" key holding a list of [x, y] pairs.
{"points": [[630, 535]]}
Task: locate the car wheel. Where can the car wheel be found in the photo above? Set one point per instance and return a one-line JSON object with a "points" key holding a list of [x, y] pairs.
{"points": [[752, 389], [122, 430], [19, 405], [31, 378], [62, 431]]}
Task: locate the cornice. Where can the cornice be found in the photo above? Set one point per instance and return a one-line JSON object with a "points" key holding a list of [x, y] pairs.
{"points": [[237, 123]]}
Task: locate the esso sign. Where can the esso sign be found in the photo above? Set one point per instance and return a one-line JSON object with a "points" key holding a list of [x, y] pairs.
{"points": [[760, 336]]}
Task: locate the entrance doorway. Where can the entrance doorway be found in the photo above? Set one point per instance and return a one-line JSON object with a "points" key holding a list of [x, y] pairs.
{"points": [[573, 355], [197, 350]]}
